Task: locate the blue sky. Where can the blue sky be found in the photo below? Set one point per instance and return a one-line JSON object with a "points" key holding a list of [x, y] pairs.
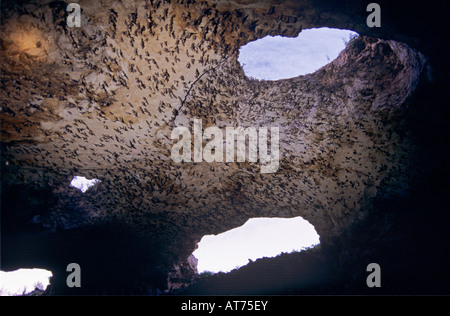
{"points": [[277, 57]]}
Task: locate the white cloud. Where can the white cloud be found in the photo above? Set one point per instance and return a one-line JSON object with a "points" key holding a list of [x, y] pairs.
{"points": [[277, 57], [257, 238]]}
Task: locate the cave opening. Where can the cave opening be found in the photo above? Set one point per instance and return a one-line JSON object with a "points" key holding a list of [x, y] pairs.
{"points": [[257, 238], [83, 184], [278, 57], [24, 282]]}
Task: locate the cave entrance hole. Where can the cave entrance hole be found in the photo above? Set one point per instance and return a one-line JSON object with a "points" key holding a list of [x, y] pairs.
{"points": [[257, 238], [24, 281], [83, 184], [278, 57]]}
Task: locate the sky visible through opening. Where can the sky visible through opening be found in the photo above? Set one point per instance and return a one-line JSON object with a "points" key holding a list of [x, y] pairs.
{"points": [[277, 57], [23, 281], [257, 238], [83, 184]]}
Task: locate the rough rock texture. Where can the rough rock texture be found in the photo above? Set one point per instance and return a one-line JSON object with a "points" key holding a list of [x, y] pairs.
{"points": [[183, 274], [102, 100]]}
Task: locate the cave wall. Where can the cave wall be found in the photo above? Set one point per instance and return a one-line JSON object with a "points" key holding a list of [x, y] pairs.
{"points": [[102, 100]]}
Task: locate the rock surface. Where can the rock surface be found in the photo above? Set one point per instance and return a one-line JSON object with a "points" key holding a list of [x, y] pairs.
{"points": [[101, 101]]}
